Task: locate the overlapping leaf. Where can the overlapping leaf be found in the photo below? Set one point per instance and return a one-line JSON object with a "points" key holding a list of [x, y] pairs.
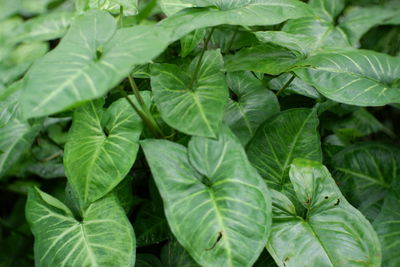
{"points": [[356, 77], [216, 204], [246, 13], [104, 237], [332, 232], [101, 148], [196, 110], [91, 59], [254, 105]]}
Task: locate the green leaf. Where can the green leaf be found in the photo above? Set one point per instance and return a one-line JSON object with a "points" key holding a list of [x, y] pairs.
{"points": [[101, 148], [170, 7], [16, 134], [245, 13], [150, 225], [355, 77], [173, 255], [332, 233], [271, 59], [327, 9], [198, 110], [254, 105], [104, 236], [91, 59], [190, 41], [45, 27], [297, 42], [366, 172], [288, 135], [215, 202], [387, 225]]}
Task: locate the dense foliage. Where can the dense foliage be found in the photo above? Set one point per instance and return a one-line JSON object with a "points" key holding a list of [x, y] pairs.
{"points": [[199, 133]]}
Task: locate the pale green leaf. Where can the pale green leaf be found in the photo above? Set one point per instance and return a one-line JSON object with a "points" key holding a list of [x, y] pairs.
{"points": [[198, 110], [170, 7], [91, 59], [104, 236], [217, 205], [297, 86], [114, 6], [297, 42], [101, 147], [331, 233], [355, 77], [327, 9], [254, 105]]}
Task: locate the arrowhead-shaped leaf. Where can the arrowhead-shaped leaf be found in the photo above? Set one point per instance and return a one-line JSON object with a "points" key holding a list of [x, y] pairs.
{"points": [[91, 59], [331, 233], [368, 171], [254, 104], [355, 77], [104, 237], [198, 110], [216, 203], [101, 147]]}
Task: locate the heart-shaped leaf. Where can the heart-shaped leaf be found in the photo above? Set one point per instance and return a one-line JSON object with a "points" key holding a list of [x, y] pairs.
{"points": [[331, 233], [216, 203], [101, 148], [104, 236], [91, 59], [195, 107]]}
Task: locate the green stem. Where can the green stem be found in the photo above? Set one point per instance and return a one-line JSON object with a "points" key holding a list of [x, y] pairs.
{"points": [[136, 91], [121, 16], [286, 85], [148, 121], [196, 71]]}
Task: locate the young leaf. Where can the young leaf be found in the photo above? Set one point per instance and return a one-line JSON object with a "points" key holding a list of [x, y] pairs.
{"points": [[368, 171], [254, 104], [104, 237], [92, 58], [192, 105], [355, 77], [332, 233], [101, 148], [288, 135], [216, 204], [387, 225], [242, 12], [190, 41]]}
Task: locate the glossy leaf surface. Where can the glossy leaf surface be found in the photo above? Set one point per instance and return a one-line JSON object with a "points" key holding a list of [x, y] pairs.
{"points": [[196, 110], [332, 232], [104, 237], [216, 204]]}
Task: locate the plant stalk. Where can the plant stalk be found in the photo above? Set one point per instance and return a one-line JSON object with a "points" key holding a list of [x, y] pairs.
{"points": [[147, 119], [286, 85], [196, 71]]}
